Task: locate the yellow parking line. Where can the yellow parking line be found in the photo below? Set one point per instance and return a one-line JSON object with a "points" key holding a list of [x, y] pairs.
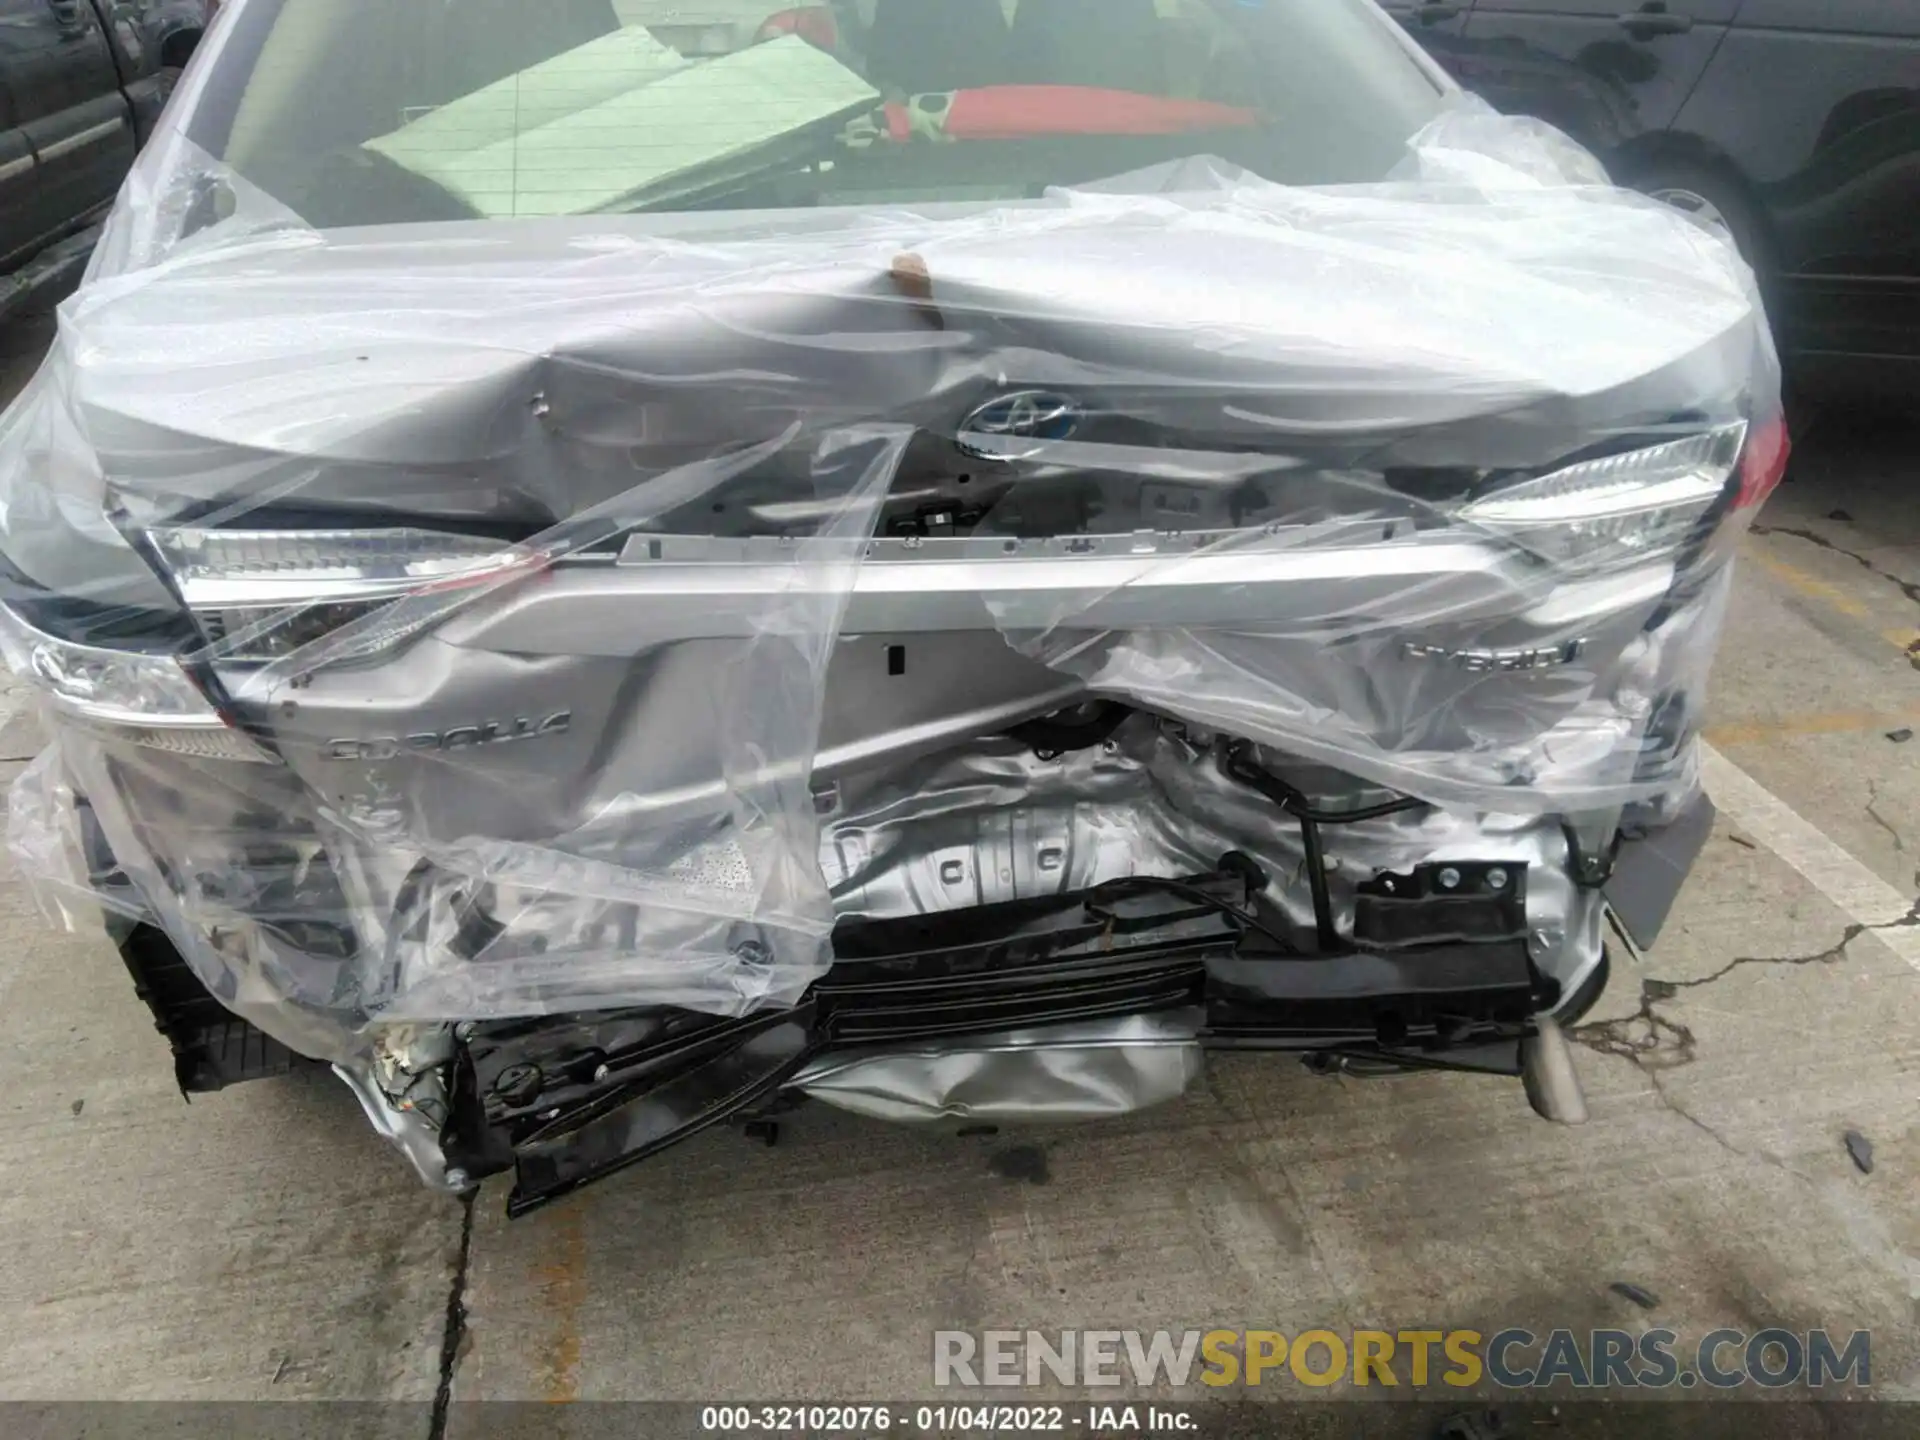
{"points": [[1835, 722], [1832, 596], [561, 1279], [1810, 586]]}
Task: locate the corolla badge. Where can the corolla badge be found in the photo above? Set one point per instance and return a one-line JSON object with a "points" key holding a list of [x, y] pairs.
{"points": [[463, 737], [1012, 427]]}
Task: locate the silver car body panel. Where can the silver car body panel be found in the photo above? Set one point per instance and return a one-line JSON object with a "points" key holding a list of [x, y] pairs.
{"points": [[1054, 1073]]}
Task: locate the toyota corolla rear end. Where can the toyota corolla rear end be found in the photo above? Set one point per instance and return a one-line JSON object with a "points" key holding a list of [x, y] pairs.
{"points": [[605, 589]]}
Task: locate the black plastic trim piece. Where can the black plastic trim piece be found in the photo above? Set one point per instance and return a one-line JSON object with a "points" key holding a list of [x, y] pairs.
{"points": [[1650, 868], [212, 1047], [636, 1123], [1059, 734], [1444, 901], [1238, 763], [568, 1100]]}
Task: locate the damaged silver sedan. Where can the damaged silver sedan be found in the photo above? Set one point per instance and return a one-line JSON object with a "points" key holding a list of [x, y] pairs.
{"points": [[605, 568]]}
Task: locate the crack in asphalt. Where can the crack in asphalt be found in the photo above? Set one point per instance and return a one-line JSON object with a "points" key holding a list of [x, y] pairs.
{"points": [[454, 1333], [1653, 1042], [1873, 799], [1909, 588], [1667, 1102], [1646, 1039]]}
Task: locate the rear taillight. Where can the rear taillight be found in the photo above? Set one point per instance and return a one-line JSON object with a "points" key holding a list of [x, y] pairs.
{"points": [[136, 696], [265, 594], [1618, 509], [1764, 465]]}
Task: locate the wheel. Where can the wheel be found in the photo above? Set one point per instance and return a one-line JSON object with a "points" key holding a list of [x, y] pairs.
{"points": [[1714, 201], [176, 49]]}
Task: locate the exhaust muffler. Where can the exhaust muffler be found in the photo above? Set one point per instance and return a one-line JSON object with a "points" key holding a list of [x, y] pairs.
{"points": [[1547, 1070]]}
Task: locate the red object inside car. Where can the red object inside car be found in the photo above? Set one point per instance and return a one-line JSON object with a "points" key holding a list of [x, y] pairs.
{"points": [[1015, 112], [812, 23]]}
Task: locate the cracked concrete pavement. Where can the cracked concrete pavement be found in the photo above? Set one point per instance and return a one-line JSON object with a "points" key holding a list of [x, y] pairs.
{"points": [[264, 1244], [1652, 1041]]}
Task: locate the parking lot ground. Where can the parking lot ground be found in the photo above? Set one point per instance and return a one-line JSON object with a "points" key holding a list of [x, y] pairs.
{"points": [[264, 1244]]}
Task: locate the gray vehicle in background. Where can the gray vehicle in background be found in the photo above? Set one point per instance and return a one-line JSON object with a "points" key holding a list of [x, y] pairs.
{"points": [[1791, 125], [81, 84]]}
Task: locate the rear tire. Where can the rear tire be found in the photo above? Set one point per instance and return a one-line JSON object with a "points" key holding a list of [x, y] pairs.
{"points": [[176, 49], [1714, 201]]}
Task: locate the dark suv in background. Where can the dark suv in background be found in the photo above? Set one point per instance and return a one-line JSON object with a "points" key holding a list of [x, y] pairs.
{"points": [[1794, 124], [81, 83]]}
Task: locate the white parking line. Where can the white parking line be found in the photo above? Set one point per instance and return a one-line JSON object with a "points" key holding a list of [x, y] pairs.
{"points": [[1862, 895]]}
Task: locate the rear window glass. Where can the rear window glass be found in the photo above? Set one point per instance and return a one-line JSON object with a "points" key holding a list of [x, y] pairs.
{"points": [[358, 112]]}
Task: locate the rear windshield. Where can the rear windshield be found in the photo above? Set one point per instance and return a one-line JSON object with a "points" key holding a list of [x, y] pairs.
{"points": [[358, 112]]}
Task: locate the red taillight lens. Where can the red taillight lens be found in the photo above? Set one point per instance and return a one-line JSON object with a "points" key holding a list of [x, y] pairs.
{"points": [[812, 23], [1764, 464]]}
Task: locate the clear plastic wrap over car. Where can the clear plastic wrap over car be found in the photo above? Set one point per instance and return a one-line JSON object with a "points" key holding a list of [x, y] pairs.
{"points": [[560, 611]]}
